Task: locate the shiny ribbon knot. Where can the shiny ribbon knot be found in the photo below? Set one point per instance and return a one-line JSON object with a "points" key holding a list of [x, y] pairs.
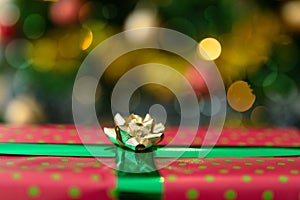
{"points": [[135, 132]]}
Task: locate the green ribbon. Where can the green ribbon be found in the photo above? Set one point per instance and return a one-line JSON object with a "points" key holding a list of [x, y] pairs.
{"points": [[160, 152], [138, 177], [137, 174]]}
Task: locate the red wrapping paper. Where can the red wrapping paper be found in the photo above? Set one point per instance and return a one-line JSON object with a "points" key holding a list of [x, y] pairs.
{"points": [[62, 134], [35, 177], [232, 178], [51, 178]]}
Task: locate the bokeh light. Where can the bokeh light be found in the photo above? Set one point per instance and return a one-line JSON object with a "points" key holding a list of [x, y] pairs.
{"points": [[87, 40], [9, 13], [4, 90], [143, 16], [64, 12], [280, 88], [240, 96], [196, 80], [43, 43], [291, 14], [69, 45], [259, 115], [210, 48], [210, 106], [83, 90], [24, 110], [34, 26], [43, 54], [16, 53]]}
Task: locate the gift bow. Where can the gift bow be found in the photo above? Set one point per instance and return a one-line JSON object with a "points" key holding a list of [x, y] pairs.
{"points": [[135, 132]]}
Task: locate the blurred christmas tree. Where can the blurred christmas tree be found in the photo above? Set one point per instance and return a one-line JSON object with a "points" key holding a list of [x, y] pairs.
{"points": [[44, 42]]}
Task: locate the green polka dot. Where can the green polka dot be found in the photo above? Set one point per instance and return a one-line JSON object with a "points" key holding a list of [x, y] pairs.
{"points": [[41, 141], [11, 140], [60, 166], [95, 177], [64, 160], [192, 194], [259, 171], [86, 137], [18, 131], [79, 164], [29, 136], [172, 177], [227, 160], [223, 171], [24, 167], [270, 167], [259, 161], [70, 142], [77, 170], [202, 167], [74, 192], [56, 176], [267, 195], [73, 133], [45, 164], [196, 161], [246, 178], [30, 158], [241, 144], [215, 163], [97, 165], [236, 167], [39, 169], [113, 193], [33, 191], [283, 179], [248, 163], [9, 163], [187, 171], [294, 171], [113, 172], [268, 144], [16, 176], [290, 160], [182, 164], [60, 126], [230, 194], [209, 178], [57, 137], [281, 163]]}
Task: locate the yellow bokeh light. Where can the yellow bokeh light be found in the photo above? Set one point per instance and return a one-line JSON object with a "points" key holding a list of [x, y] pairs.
{"points": [[259, 115], [210, 48], [43, 54], [87, 40], [240, 96]]}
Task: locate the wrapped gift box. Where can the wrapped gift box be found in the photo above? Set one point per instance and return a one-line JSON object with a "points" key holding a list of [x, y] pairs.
{"points": [[27, 173]]}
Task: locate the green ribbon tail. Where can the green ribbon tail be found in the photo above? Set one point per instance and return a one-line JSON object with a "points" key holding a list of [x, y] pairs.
{"points": [[138, 177]]}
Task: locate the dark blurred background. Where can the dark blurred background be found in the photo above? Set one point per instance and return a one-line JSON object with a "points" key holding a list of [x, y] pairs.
{"points": [[255, 45]]}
